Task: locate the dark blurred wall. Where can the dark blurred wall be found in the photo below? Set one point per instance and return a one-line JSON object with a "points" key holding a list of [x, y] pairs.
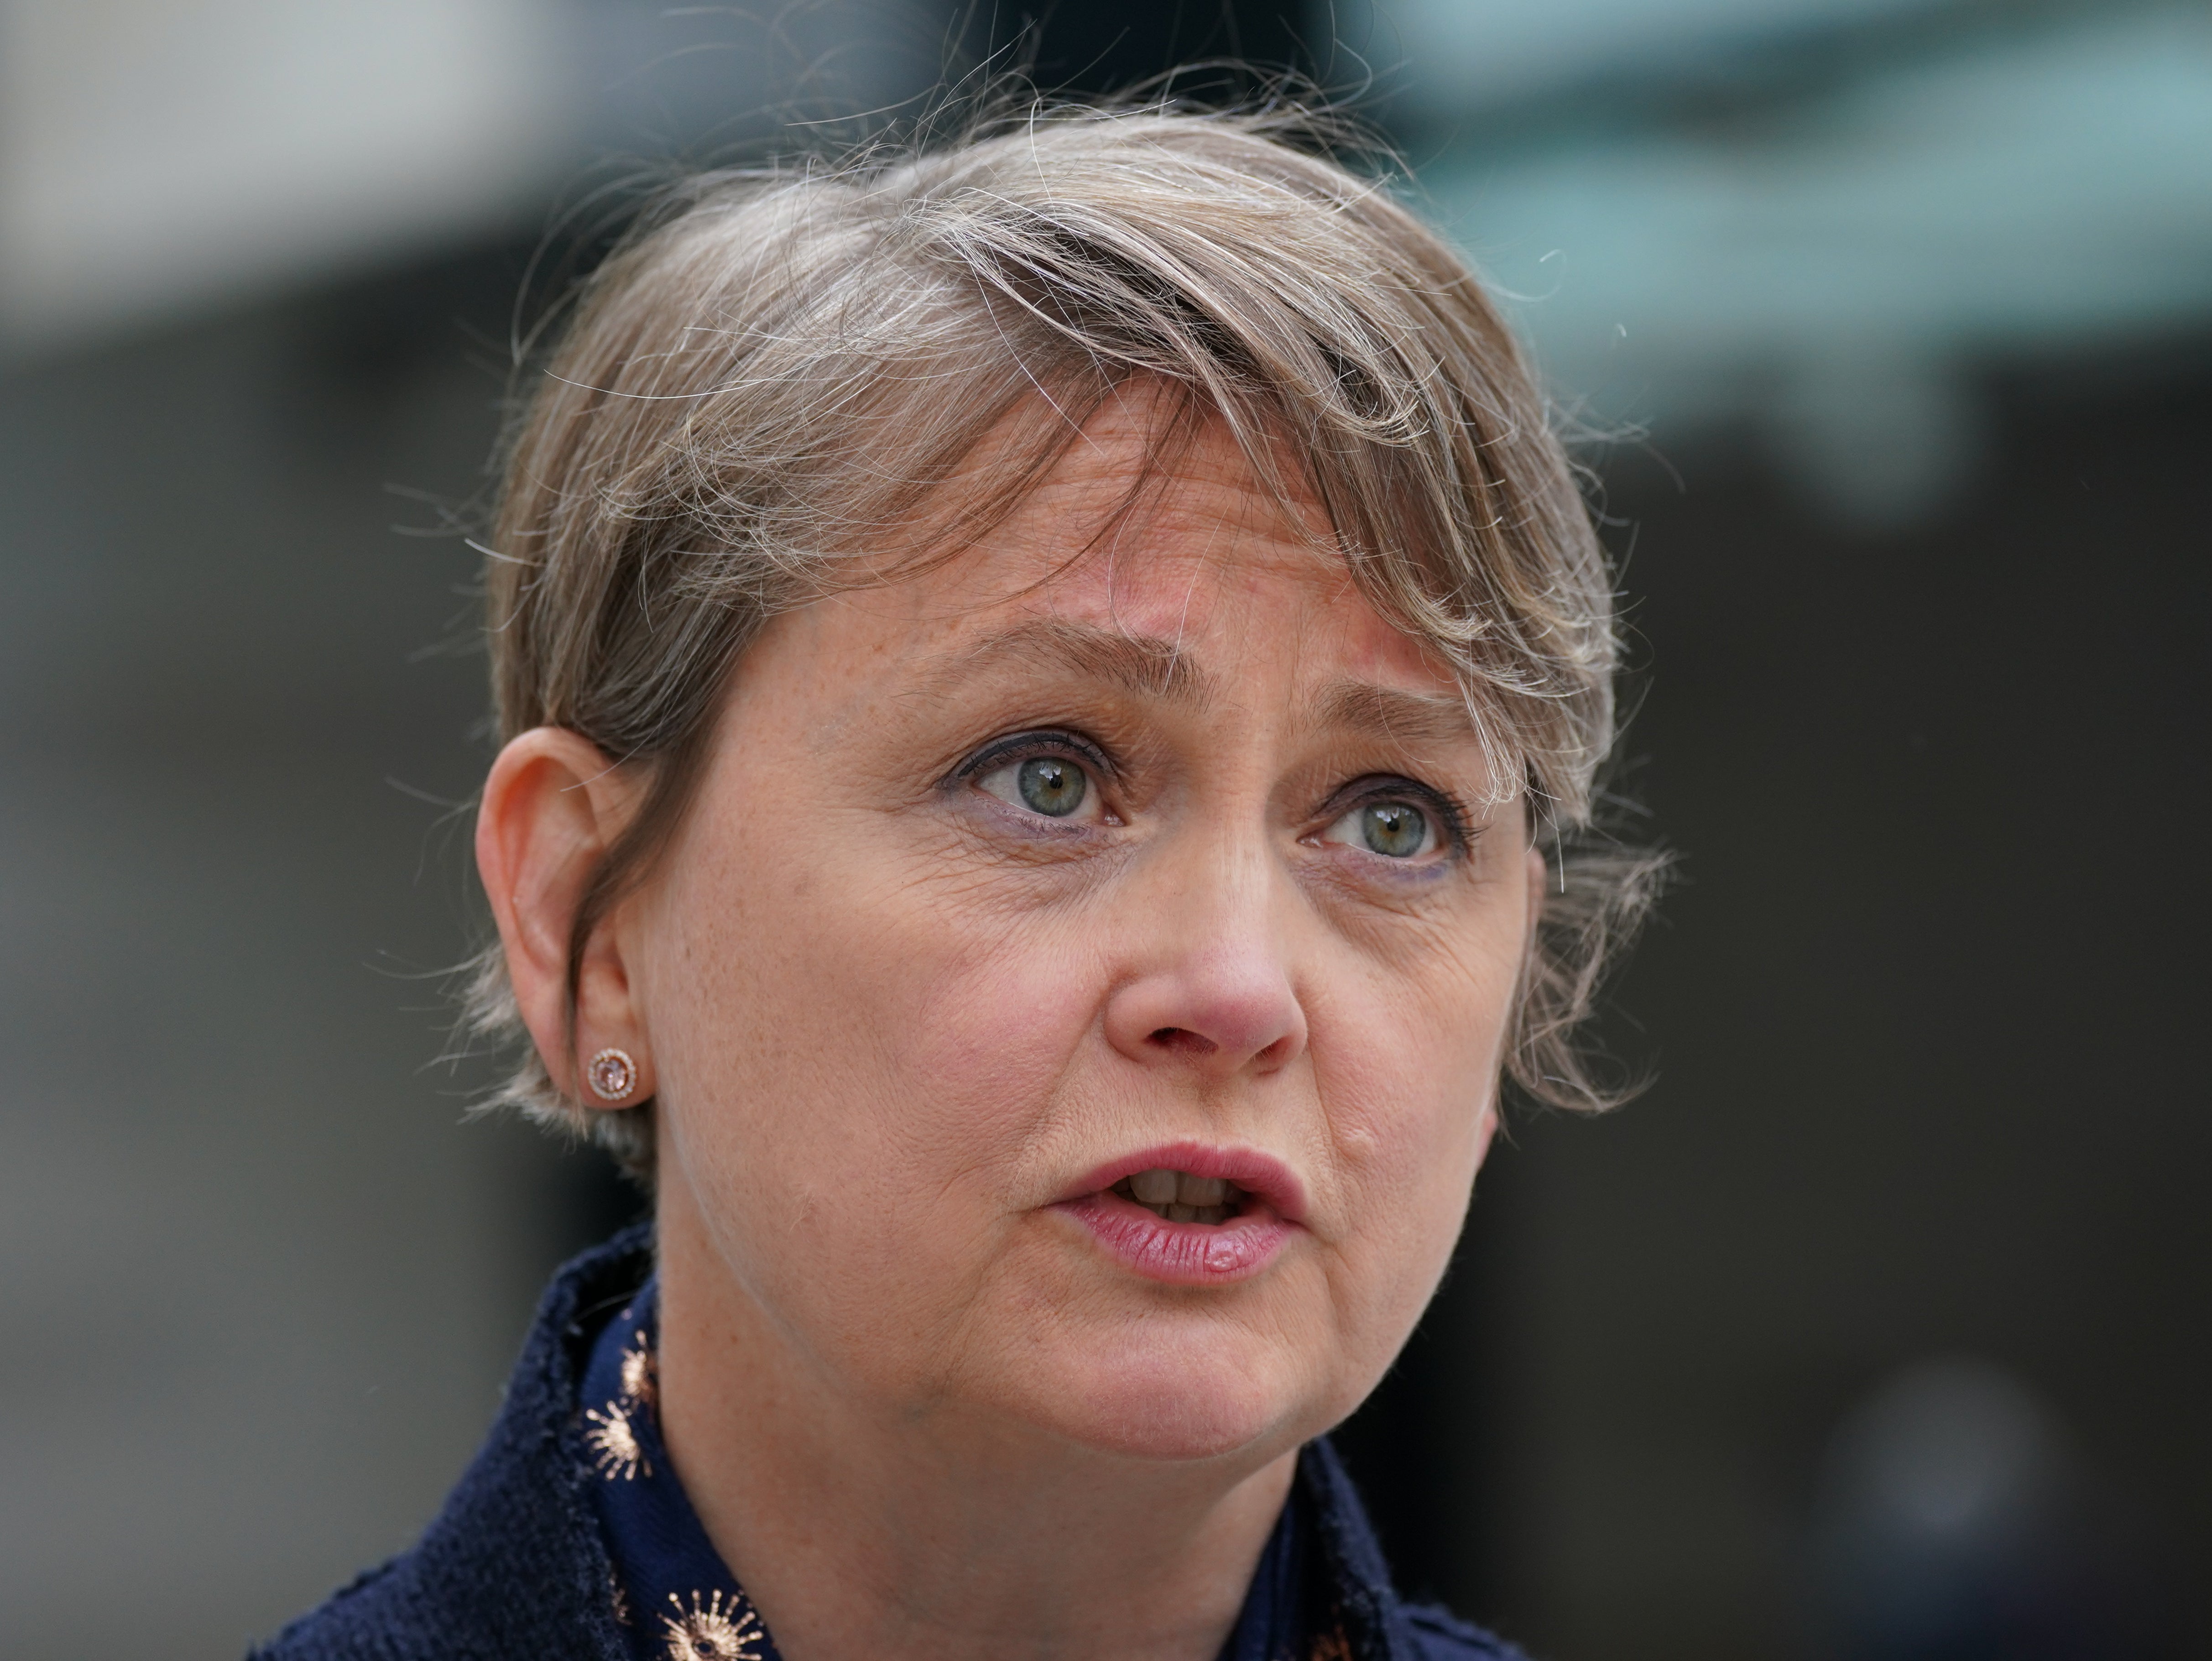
{"points": [[1107, 48]]}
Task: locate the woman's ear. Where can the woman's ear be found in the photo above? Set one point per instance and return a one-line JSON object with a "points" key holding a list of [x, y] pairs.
{"points": [[552, 807]]}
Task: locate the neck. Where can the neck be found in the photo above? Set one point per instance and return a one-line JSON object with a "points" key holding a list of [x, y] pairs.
{"points": [[923, 1529]]}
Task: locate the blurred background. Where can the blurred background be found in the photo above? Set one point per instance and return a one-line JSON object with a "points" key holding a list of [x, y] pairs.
{"points": [[1880, 1326]]}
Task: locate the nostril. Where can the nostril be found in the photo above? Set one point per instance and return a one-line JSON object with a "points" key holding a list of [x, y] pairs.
{"points": [[1184, 1040]]}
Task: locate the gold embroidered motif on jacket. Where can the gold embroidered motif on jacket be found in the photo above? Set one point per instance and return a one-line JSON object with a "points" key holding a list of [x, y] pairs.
{"points": [[709, 1632]]}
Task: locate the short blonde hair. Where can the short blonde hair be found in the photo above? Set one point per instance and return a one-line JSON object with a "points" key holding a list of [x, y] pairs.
{"points": [[774, 373]]}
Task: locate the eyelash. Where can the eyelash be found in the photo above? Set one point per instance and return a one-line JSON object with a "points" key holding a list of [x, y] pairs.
{"points": [[1022, 747], [1453, 820]]}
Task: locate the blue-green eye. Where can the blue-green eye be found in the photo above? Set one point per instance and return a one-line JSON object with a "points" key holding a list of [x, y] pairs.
{"points": [[1055, 786], [1396, 829], [1051, 785]]}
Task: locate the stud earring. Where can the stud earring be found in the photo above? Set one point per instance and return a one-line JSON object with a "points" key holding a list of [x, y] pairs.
{"points": [[613, 1075]]}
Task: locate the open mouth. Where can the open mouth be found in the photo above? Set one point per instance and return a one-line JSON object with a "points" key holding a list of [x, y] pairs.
{"points": [[1228, 1211], [1180, 1197]]}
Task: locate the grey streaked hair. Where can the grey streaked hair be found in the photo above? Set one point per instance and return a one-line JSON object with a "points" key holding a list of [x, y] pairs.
{"points": [[771, 379]]}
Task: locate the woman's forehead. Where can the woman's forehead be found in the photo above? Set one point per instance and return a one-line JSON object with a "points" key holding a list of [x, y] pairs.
{"points": [[1199, 479], [1209, 562]]}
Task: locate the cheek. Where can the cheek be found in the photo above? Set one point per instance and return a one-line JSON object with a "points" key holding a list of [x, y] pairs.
{"points": [[1409, 1071], [1424, 1036], [856, 1077]]}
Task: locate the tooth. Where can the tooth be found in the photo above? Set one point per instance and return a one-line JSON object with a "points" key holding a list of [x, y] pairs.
{"points": [[1183, 1213], [1153, 1186], [1200, 1190], [1213, 1213]]}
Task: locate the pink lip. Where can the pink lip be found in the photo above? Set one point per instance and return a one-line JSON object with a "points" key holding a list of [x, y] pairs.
{"points": [[1192, 1254]]}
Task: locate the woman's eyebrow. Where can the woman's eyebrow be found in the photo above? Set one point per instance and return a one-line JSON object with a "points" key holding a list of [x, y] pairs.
{"points": [[1144, 665], [1393, 715]]}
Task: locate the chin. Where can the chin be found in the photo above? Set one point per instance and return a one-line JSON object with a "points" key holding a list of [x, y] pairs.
{"points": [[1184, 1402]]}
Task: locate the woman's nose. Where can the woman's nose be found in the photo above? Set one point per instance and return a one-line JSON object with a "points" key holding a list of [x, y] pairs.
{"points": [[1212, 989]]}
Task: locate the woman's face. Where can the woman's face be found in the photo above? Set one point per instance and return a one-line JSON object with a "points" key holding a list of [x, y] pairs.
{"points": [[1014, 885]]}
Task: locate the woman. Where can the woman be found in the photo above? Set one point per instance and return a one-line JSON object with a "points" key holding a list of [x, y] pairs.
{"points": [[1038, 680]]}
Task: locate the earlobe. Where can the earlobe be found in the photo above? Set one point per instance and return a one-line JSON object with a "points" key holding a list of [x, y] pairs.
{"points": [[552, 806]]}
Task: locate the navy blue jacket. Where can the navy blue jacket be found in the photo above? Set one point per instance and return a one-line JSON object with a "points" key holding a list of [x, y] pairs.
{"points": [[515, 1569]]}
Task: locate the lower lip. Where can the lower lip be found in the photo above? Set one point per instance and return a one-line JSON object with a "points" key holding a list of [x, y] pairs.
{"points": [[1180, 1254]]}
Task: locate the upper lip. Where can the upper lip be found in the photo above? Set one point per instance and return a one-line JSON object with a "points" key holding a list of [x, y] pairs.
{"points": [[1259, 1174]]}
